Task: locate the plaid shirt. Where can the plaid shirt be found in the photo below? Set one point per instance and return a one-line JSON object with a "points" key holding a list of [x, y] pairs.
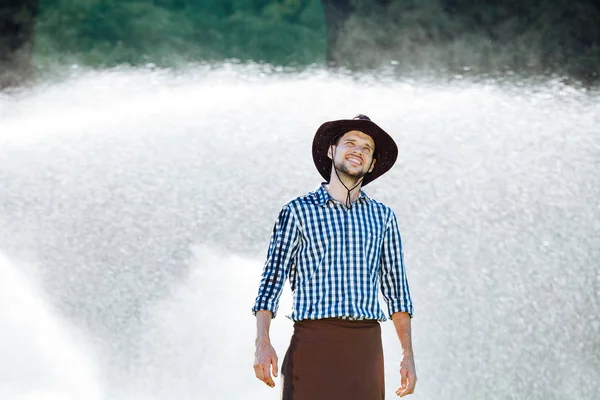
{"points": [[335, 258]]}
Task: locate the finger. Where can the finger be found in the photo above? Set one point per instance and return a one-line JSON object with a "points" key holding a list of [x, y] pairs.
{"points": [[262, 371], [403, 382], [411, 387], [268, 380], [408, 389], [403, 378], [258, 371], [412, 382], [265, 375], [275, 368], [402, 392]]}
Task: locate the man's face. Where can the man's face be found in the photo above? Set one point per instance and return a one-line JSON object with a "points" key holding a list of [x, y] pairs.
{"points": [[353, 154]]}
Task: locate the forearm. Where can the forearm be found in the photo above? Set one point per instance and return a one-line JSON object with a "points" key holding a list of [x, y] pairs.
{"points": [[403, 330], [263, 323]]}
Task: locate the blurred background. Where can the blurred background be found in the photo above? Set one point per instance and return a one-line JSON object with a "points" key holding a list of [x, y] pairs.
{"points": [[146, 148], [534, 36]]}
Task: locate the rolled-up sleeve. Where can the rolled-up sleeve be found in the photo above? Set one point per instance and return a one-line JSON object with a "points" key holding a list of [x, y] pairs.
{"points": [[280, 259], [394, 284]]}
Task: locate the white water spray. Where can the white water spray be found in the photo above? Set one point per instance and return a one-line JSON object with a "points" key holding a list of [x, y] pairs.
{"points": [[42, 358], [149, 197]]}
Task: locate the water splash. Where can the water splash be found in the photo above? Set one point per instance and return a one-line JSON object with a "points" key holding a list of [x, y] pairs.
{"points": [[112, 178], [199, 341], [42, 357]]}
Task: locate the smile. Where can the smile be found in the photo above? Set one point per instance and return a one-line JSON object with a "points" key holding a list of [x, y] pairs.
{"points": [[354, 160]]}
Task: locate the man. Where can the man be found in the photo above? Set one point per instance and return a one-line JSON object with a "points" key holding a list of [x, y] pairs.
{"points": [[337, 246]]}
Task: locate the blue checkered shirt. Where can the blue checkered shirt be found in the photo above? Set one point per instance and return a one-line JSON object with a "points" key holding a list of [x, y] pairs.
{"points": [[335, 259]]}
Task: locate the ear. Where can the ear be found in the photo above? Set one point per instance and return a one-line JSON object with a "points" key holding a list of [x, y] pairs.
{"points": [[330, 151], [372, 165]]}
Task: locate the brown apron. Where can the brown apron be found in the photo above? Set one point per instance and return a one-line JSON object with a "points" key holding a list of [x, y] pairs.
{"points": [[330, 359]]}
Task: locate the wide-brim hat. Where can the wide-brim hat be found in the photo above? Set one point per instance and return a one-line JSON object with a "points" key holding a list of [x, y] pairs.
{"points": [[386, 150]]}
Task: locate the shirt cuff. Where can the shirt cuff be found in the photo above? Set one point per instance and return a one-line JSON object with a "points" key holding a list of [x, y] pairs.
{"points": [[395, 306], [269, 306]]}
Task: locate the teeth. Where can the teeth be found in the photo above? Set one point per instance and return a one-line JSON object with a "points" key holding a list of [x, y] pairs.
{"points": [[354, 160]]}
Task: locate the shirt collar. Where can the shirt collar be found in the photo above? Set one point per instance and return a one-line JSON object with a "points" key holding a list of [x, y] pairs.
{"points": [[323, 196]]}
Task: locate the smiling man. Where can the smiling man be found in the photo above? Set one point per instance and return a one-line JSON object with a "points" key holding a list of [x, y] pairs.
{"points": [[339, 248]]}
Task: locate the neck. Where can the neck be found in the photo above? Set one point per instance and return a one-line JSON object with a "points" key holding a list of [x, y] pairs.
{"points": [[336, 189]]}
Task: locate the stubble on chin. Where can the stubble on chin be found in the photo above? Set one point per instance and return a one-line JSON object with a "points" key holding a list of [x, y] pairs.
{"points": [[349, 173]]}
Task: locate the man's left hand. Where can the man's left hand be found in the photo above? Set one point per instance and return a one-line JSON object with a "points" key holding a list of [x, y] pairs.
{"points": [[408, 376]]}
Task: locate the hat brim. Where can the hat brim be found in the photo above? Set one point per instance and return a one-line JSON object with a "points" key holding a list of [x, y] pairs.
{"points": [[385, 147]]}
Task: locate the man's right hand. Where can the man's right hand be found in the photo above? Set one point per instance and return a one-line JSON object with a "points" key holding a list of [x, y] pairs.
{"points": [[265, 358]]}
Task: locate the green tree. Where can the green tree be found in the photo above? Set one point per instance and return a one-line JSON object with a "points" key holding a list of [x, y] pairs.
{"points": [[110, 32]]}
